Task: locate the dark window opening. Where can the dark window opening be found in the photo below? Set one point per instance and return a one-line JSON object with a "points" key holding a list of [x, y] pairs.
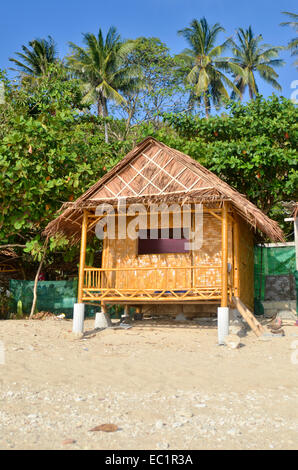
{"points": [[158, 245]]}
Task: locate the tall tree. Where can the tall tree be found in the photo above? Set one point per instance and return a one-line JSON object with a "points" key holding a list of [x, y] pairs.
{"points": [[293, 44], [158, 87], [203, 64], [34, 61], [49, 151], [102, 67], [254, 56], [252, 146]]}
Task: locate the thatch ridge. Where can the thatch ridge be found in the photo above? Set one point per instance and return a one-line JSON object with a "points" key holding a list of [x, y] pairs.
{"points": [[216, 190]]}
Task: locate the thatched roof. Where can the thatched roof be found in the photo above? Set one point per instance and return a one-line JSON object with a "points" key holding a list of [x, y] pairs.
{"points": [[154, 172]]}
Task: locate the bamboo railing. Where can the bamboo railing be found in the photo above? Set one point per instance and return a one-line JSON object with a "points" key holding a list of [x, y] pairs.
{"points": [[112, 284]]}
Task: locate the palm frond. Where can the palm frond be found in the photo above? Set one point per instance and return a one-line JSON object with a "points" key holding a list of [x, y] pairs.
{"points": [[102, 66], [36, 58], [251, 54]]}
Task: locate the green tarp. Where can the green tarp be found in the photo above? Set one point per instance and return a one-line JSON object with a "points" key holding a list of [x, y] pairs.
{"points": [[274, 274], [272, 261]]}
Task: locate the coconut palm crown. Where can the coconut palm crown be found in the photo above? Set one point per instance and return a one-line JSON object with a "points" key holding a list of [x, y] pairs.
{"points": [[103, 68], [35, 59], [204, 65], [293, 44], [253, 56]]}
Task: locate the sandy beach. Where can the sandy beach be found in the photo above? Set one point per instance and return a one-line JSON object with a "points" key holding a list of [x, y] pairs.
{"points": [[165, 385]]}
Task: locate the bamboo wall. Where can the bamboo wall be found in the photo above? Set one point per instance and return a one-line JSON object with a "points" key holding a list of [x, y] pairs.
{"points": [[123, 253], [246, 264]]}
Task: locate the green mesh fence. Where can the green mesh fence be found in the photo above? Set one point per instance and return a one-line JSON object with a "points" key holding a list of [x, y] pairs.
{"points": [[274, 279], [274, 274], [52, 296]]}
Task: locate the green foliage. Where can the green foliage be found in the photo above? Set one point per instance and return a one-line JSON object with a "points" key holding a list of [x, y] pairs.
{"points": [[203, 64], [19, 309], [253, 147], [34, 61], [159, 86], [103, 69], [252, 56], [52, 146], [50, 152]]}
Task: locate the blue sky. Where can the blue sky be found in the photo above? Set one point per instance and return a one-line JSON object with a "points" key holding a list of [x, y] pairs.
{"points": [[65, 20]]}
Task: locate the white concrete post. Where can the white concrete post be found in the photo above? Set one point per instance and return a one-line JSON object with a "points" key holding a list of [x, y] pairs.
{"points": [[102, 320], [222, 323], [78, 318]]}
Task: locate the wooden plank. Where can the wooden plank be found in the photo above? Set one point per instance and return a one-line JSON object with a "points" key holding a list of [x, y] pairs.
{"points": [[248, 317]]}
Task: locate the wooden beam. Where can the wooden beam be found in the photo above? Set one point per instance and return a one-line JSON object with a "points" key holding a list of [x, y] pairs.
{"points": [[248, 317], [94, 222], [82, 256], [219, 217], [224, 257]]}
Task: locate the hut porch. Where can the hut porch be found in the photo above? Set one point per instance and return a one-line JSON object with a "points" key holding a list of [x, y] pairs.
{"points": [[194, 276]]}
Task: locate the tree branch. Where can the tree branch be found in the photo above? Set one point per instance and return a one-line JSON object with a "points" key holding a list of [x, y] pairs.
{"points": [[11, 246], [36, 278]]}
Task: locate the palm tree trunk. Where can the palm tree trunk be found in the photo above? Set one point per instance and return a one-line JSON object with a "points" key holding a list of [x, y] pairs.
{"points": [[131, 112], [99, 107], [206, 102], [251, 94], [102, 110], [105, 114]]}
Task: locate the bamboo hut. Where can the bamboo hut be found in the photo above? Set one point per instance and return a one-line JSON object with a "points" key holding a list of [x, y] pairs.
{"points": [[161, 272]]}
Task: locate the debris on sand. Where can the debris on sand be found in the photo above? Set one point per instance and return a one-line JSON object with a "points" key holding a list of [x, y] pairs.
{"points": [[68, 442], [232, 341], [105, 428], [43, 316], [279, 332]]}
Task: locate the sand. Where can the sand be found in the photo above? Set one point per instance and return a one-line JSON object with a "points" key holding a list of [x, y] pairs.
{"points": [[164, 385]]}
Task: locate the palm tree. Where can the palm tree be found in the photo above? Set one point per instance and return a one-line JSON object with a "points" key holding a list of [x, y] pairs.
{"points": [[253, 56], [203, 64], [35, 59], [293, 44], [103, 68]]}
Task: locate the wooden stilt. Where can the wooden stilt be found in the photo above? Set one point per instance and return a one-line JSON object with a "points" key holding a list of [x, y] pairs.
{"points": [[224, 258], [236, 259], [82, 256], [126, 311]]}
